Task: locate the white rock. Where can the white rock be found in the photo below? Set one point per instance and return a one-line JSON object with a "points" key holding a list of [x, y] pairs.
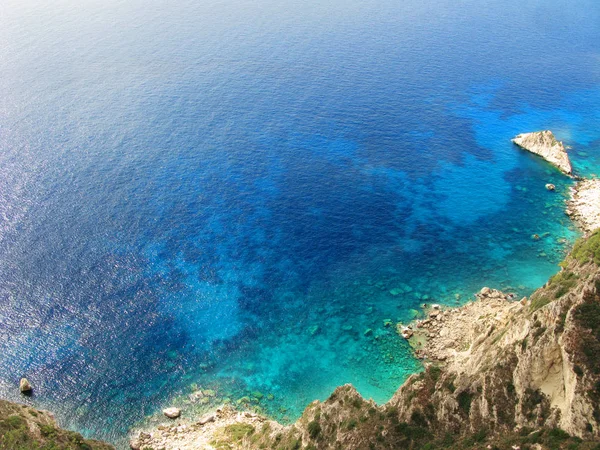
{"points": [[172, 413], [584, 204], [207, 419], [544, 144], [25, 386]]}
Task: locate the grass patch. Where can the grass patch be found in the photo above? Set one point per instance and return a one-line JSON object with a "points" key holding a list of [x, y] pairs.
{"points": [[539, 300], [563, 281], [314, 429], [238, 431], [586, 250]]}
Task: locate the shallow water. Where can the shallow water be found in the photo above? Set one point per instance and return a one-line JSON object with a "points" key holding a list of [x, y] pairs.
{"points": [[226, 193]]}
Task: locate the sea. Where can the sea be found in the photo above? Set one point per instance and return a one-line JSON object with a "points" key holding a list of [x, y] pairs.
{"points": [[236, 201]]}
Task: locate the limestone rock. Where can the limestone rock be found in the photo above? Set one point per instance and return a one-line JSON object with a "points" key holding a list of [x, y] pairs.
{"points": [[584, 205], [172, 413], [550, 187], [207, 419], [25, 386], [544, 144]]}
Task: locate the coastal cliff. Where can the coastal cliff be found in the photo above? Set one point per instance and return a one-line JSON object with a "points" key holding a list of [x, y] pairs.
{"points": [[25, 428], [499, 373], [544, 144]]}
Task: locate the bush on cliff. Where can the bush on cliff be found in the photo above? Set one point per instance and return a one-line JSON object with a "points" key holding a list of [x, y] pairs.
{"points": [[587, 249]]}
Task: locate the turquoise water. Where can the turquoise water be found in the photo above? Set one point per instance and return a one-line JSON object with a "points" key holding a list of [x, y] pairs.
{"points": [[223, 194]]}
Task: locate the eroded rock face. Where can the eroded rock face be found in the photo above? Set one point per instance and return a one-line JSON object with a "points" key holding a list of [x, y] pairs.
{"points": [[544, 144]]}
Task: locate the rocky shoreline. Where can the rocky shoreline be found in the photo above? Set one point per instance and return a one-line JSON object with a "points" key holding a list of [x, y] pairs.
{"points": [[584, 205], [447, 333], [199, 434]]}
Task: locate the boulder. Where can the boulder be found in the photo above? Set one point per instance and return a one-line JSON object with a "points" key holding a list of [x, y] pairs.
{"points": [[207, 419], [406, 332], [25, 386], [550, 187], [172, 413]]}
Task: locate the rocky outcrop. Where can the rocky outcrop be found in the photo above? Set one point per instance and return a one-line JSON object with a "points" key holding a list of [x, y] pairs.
{"points": [[499, 373], [25, 428], [25, 386], [584, 205], [544, 144]]}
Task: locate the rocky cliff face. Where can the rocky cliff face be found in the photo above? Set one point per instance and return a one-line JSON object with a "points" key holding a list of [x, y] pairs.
{"points": [[499, 373], [25, 428], [544, 144]]}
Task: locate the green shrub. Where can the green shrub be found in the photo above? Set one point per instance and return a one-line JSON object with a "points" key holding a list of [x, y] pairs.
{"points": [[314, 429], [434, 373], [237, 431], [464, 401], [538, 301]]}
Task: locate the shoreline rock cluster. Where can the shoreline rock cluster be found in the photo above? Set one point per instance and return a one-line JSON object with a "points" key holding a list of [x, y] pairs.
{"points": [[194, 435], [447, 332], [584, 205]]}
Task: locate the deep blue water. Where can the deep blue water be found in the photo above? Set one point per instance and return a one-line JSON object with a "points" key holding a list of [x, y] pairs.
{"points": [[224, 192]]}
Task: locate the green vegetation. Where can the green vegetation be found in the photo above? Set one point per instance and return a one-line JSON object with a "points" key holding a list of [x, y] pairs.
{"points": [[563, 281], [464, 401], [586, 250], [434, 372], [539, 300], [233, 435], [17, 432], [238, 431], [587, 317], [314, 429]]}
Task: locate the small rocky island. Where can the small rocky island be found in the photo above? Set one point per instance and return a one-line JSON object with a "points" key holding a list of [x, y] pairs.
{"points": [[544, 144]]}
